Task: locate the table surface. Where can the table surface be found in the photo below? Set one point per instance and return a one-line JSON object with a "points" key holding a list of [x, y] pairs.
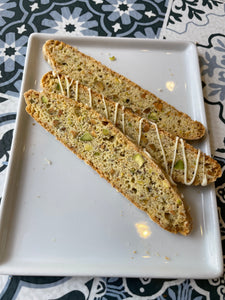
{"points": [[199, 21]]}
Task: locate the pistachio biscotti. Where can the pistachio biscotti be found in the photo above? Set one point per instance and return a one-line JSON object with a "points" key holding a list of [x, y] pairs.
{"points": [[69, 61], [104, 147], [181, 161]]}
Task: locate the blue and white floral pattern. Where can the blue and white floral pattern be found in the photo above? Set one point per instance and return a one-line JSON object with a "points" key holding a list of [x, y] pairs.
{"points": [[5, 11], [213, 72], [197, 12], [75, 23], [127, 10], [126, 17], [12, 51]]}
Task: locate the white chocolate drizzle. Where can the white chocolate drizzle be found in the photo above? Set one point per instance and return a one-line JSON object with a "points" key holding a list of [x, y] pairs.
{"points": [[161, 146], [185, 165], [68, 85], [106, 110], [77, 87], [204, 180], [60, 84], [147, 153], [174, 156], [90, 97], [140, 130], [204, 177], [115, 113], [123, 123], [159, 139]]}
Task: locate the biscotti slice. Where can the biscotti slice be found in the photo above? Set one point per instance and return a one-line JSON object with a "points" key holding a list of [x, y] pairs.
{"points": [[104, 147], [181, 161], [69, 61]]}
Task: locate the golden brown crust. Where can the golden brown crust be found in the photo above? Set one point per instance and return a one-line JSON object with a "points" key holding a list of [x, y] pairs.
{"points": [[130, 124], [79, 66], [47, 108]]}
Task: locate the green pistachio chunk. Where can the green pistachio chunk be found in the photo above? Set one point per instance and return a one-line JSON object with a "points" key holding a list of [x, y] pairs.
{"points": [[105, 131], [139, 159], [112, 58], [44, 99], [86, 137], [179, 202], [88, 147], [153, 116], [179, 165]]}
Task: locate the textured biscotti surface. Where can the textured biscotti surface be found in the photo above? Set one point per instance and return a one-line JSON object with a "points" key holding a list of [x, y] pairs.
{"points": [[73, 63], [104, 147], [160, 144]]}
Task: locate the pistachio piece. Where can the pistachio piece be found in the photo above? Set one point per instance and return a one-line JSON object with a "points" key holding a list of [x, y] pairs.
{"points": [[153, 116], [96, 153], [105, 131], [139, 159], [179, 202], [179, 165], [86, 137], [112, 58], [44, 99], [88, 147]]}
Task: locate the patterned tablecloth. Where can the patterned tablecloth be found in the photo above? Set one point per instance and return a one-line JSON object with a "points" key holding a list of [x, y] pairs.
{"points": [[200, 21]]}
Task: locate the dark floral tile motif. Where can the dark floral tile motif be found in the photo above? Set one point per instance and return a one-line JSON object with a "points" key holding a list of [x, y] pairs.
{"points": [[105, 18], [12, 58], [111, 288], [15, 283], [149, 287], [126, 18], [7, 121], [213, 72], [6, 11], [123, 10], [5, 145], [12, 52], [184, 12], [189, 288], [70, 21]]}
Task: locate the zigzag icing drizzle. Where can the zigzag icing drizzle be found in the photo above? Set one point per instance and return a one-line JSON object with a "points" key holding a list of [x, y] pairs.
{"points": [[90, 97], [115, 113], [106, 110], [204, 179], [123, 124]]}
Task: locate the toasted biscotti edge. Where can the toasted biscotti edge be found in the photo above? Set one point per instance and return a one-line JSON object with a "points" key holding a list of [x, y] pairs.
{"points": [[67, 86], [197, 127], [30, 109]]}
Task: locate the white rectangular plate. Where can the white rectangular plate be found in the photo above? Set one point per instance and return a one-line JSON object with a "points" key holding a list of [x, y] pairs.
{"points": [[58, 217]]}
